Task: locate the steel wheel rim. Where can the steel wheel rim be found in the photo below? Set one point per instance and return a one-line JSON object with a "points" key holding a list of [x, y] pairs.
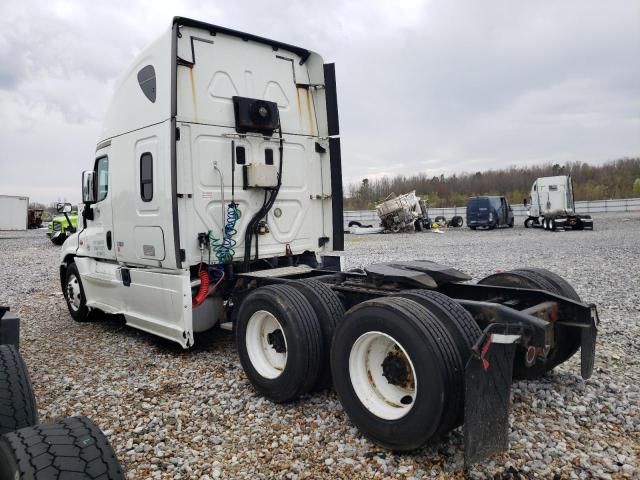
{"points": [[264, 357], [74, 295], [381, 397]]}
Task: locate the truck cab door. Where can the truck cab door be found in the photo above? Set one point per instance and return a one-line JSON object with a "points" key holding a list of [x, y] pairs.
{"points": [[97, 238]]}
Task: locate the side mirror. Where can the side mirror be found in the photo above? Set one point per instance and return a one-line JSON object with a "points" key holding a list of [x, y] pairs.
{"points": [[88, 189], [64, 207]]}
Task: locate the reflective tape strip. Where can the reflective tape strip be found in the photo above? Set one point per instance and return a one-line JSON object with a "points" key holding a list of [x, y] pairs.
{"points": [[501, 338]]}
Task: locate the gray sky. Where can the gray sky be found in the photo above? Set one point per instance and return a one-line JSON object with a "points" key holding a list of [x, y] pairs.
{"points": [[435, 86]]}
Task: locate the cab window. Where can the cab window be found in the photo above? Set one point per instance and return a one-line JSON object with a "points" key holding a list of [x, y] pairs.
{"points": [[102, 178]]}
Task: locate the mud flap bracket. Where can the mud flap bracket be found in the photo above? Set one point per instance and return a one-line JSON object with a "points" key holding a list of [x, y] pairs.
{"points": [[487, 393], [588, 345]]}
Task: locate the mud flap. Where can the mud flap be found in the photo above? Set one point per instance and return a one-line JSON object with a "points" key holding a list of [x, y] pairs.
{"points": [[9, 327], [487, 397], [588, 345]]}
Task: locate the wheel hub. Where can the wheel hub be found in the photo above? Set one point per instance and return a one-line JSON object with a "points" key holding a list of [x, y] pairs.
{"points": [[73, 293], [382, 375], [276, 340], [396, 369]]}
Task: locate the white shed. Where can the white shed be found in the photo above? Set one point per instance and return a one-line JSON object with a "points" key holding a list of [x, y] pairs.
{"points": [[13, 212]]}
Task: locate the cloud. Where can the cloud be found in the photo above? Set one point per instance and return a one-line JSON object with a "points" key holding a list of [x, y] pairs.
{"points": [[429, 86]]}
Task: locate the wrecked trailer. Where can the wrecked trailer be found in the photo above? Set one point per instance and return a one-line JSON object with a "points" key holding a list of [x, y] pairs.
{"points": [[403, 213]]}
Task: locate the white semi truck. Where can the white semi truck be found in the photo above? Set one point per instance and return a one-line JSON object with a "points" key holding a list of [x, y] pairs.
{"points": [[215, 198], [552, 206]]}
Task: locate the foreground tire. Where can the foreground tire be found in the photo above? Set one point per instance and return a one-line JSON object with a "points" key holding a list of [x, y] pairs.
{"points": [[74, 295], [567, 339], [419, 225], [72, 448], [280, 342], [17, 402], [330, 311], [394, 370], [528, 223]]}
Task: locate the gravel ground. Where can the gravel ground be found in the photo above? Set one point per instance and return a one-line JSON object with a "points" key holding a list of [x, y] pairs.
{"points": [[192, 414]]}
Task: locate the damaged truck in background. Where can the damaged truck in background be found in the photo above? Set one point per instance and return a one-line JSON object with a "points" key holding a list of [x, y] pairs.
{"points": [[215, 198]]}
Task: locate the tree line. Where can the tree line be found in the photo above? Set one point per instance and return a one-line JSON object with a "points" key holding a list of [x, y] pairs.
{"points": [[613, 179]]}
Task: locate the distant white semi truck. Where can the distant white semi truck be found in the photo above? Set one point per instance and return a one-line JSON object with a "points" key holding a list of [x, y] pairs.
{"points": [[552, 206]]}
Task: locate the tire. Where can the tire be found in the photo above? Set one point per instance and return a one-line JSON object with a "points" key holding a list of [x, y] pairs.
{"points": [[17, 402], [354, 223], [473, 228], [330, 311], [528, 223], [285, 362], [566, 341], [457, 221], [460, 325], [552, 225], [71, 448], [440, 219], [512, 223], [59, 240], [419, 226], [403, 333], [74, 295]]}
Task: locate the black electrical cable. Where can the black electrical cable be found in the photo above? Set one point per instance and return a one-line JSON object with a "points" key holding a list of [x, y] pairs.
{"points": [[251, 227], [264, 202]]}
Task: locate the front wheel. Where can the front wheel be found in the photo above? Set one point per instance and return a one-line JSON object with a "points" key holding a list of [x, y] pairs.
{"points": [[74, 295]]}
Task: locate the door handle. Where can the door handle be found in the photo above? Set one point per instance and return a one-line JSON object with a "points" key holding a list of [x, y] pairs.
{"points": [[109, 240]]}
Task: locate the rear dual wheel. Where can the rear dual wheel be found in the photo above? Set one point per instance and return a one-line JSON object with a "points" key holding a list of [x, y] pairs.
{"points": [[567, 339], [398, 372], [283, 336]]}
